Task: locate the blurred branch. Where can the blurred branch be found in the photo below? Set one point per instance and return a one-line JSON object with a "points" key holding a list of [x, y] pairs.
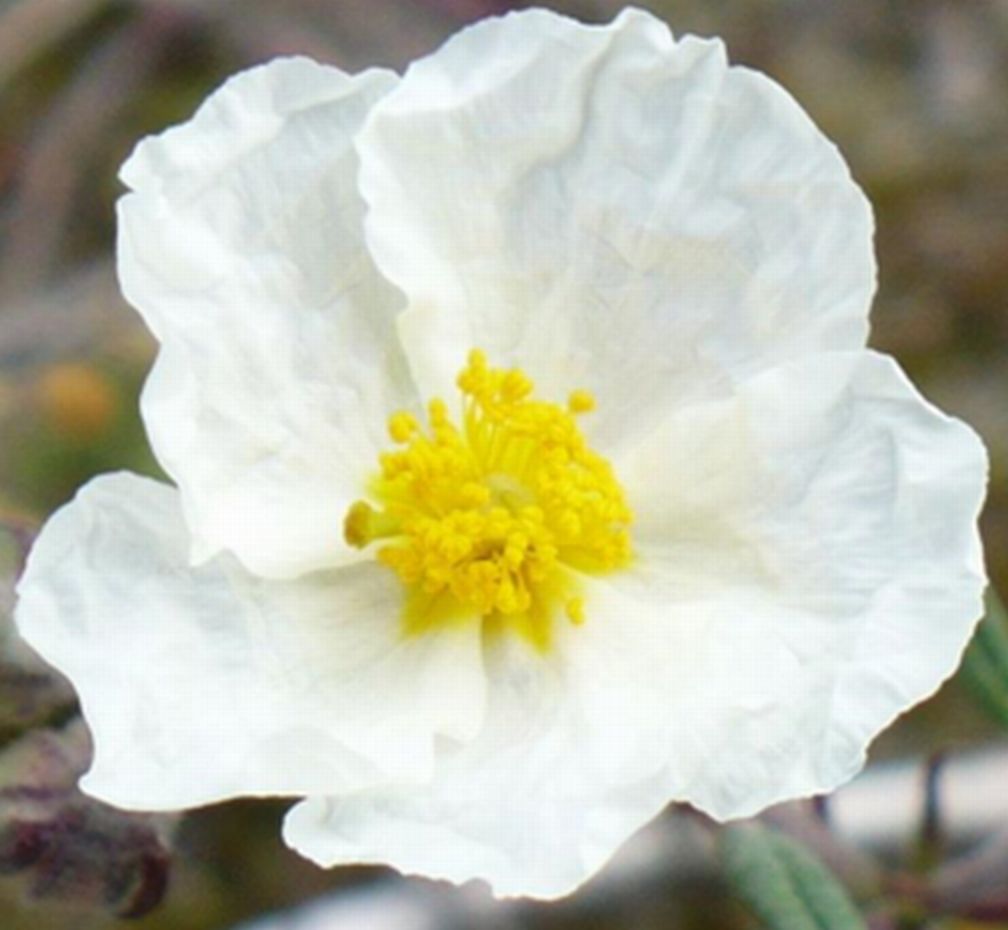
{"points": [[353, 34], [68, 137], [29, 26], [471, 9], [975, 885], [69, 318], [882, 809]]}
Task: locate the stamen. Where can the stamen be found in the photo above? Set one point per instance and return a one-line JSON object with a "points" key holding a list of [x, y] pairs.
{"points": [[402, 426], [499, 518], [363, 525], [581, 402]]}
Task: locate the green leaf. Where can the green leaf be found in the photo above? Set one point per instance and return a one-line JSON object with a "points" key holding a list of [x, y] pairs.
{"points": [[985, 665], [783, 883]]}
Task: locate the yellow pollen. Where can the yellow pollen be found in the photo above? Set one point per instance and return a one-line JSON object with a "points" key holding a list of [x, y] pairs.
{"points": [[581, 402], [402, 426], [575, 609], [497, 516]]}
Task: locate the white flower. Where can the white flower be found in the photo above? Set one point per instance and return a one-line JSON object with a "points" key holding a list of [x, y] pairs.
{"points": [[763, 550]]}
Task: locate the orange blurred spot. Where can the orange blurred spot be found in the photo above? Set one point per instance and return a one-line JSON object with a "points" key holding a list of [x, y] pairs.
{"points": [[78, 401]]}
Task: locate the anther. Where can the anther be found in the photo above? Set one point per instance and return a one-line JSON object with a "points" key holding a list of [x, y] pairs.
{"points": [[580, 402]]}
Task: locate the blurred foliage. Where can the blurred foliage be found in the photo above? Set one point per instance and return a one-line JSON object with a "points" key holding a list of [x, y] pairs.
{"points": [[985, 665], [783, 882], [911, 90], [63, 846], [82, 420]]}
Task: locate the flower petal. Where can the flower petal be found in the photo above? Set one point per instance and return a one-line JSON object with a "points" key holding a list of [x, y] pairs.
{"points": [[205, 683], [820, 531], [241, 245], [521, 807], [808, 568], [610, 209]]}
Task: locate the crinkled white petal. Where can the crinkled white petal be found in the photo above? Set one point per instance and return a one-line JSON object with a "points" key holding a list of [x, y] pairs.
{"points": [[521, 807], [820, 530], [613, 209], [241, 245], [206, 683], [808, 566], [568, 765]]}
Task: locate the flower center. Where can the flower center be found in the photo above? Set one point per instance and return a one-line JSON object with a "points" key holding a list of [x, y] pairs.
{"points": [[497, 517]]}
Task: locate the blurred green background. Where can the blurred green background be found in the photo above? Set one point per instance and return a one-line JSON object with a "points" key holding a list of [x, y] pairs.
{"points": [[914, 92]]}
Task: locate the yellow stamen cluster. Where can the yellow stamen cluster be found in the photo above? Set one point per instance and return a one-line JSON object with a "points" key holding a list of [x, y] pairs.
{"points": [[495, 517]]}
